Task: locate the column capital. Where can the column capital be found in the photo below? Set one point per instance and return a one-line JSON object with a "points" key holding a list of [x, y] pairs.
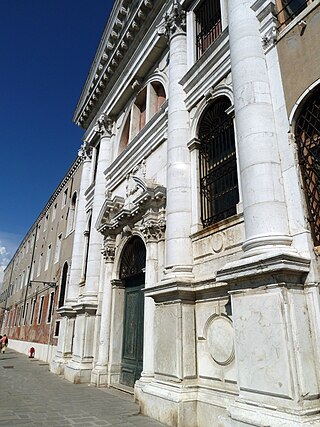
{"points": [[153, 226], [85, 151], [104, 126], [109, 249], [174, 21]]}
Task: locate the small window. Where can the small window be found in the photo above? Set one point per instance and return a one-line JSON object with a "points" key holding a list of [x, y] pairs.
{"points": [[63, 285], [50, 307], [65, 197], [26, 314], [208, 24], [45, 222], [40, 309], [57, 329], [54, 212], [39, 264], [48, 257], [58, 248], [72, 213], [287, 10], [32, 311]]}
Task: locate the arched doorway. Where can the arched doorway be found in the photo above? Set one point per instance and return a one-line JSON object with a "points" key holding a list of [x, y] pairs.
{"points": [[132, 274]]}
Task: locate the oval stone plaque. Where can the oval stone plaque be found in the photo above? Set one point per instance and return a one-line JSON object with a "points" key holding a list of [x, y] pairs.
{"points": [[219, 339]]}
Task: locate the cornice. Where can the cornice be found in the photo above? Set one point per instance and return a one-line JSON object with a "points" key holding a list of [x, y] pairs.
{"points": [[124, 23], [70, 173]]}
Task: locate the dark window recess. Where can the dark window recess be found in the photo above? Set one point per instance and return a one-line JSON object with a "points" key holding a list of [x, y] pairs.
{"points": [[57, 329], [208, 24], [218, 164], [308, 140], [287, 10]]}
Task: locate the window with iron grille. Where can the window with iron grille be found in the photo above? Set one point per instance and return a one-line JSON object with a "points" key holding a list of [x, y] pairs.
{"points": [[287, 10], [208, 24], [308, 140], [218, 164]]}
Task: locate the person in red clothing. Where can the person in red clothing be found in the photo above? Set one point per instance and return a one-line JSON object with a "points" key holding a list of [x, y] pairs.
{"points": [[4, 343]]}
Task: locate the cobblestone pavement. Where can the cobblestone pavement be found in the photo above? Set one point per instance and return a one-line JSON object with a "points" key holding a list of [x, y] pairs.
{"points": [[30, 395]]}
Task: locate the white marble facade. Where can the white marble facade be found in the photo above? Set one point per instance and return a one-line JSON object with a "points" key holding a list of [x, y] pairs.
{"points": [[230, 309]]}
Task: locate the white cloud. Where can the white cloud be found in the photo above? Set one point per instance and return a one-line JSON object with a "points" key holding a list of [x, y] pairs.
{"points": [[8, 245]]}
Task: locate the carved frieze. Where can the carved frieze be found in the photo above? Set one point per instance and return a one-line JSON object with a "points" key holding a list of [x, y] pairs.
{"points": [[142, 196]]}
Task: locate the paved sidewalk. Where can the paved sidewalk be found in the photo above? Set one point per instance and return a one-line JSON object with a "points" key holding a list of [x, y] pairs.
{"points": [[30, 395]]}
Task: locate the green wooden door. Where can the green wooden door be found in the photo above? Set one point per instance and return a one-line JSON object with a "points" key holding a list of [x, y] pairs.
{"points": [[132, 353]]}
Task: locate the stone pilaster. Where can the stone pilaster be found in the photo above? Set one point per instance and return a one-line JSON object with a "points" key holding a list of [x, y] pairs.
{"points": [[153, 229], [99, 374]]}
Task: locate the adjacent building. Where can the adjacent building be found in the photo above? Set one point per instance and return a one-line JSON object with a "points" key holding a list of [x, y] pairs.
{"points": [[193, 280], [35, 280]]}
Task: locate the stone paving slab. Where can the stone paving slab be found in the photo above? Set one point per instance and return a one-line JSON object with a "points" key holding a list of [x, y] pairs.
{"points": [[30, 395]]}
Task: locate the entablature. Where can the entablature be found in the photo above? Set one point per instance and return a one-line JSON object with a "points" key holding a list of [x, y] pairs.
{"points": [[130, 25]]}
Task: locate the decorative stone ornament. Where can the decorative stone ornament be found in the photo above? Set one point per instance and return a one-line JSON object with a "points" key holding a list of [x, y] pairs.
{"points": [[85, 151], [219, 339], [109, 249], [104, 125], [175, 21], [153, 226]]}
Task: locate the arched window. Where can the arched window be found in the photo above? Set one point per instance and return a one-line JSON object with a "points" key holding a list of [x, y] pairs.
{"points": [[63, 285], [144, 107], [218, 164], [308, 139]]}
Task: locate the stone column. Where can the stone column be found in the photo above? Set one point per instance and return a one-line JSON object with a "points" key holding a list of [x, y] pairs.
{"points": [[65, 340], [104, 129], [100, 372], [265, 213], [178, 243], [79, 369], [274, 344], [79, 229]]}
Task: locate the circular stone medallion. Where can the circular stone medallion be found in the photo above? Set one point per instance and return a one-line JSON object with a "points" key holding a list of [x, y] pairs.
{"points": [[219, 339]]}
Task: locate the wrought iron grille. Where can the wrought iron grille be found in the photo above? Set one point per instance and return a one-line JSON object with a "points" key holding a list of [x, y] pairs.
{"points": [[308, 140], [208, 24], [218, 165], [133, 259], [287, 10]]}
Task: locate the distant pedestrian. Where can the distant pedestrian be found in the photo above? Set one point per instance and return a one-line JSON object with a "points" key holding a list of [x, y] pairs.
{"points": [[4, 343]]}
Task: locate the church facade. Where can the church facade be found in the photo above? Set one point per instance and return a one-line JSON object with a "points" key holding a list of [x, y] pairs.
{"points": [[194, 273]]}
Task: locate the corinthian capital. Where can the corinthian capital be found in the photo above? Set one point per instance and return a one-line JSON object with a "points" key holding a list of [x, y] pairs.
{"points": [[104, 125], [175, 20], [109, 249], [153, 226], [85, 151]]}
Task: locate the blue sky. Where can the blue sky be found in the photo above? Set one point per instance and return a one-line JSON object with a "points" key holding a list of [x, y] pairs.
{"points": [[46, 49]]}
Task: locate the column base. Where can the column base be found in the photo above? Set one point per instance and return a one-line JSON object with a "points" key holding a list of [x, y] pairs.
{"points": [[99, 376], [58, 364], [245, 415], [169, 404], [78, 372]]}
